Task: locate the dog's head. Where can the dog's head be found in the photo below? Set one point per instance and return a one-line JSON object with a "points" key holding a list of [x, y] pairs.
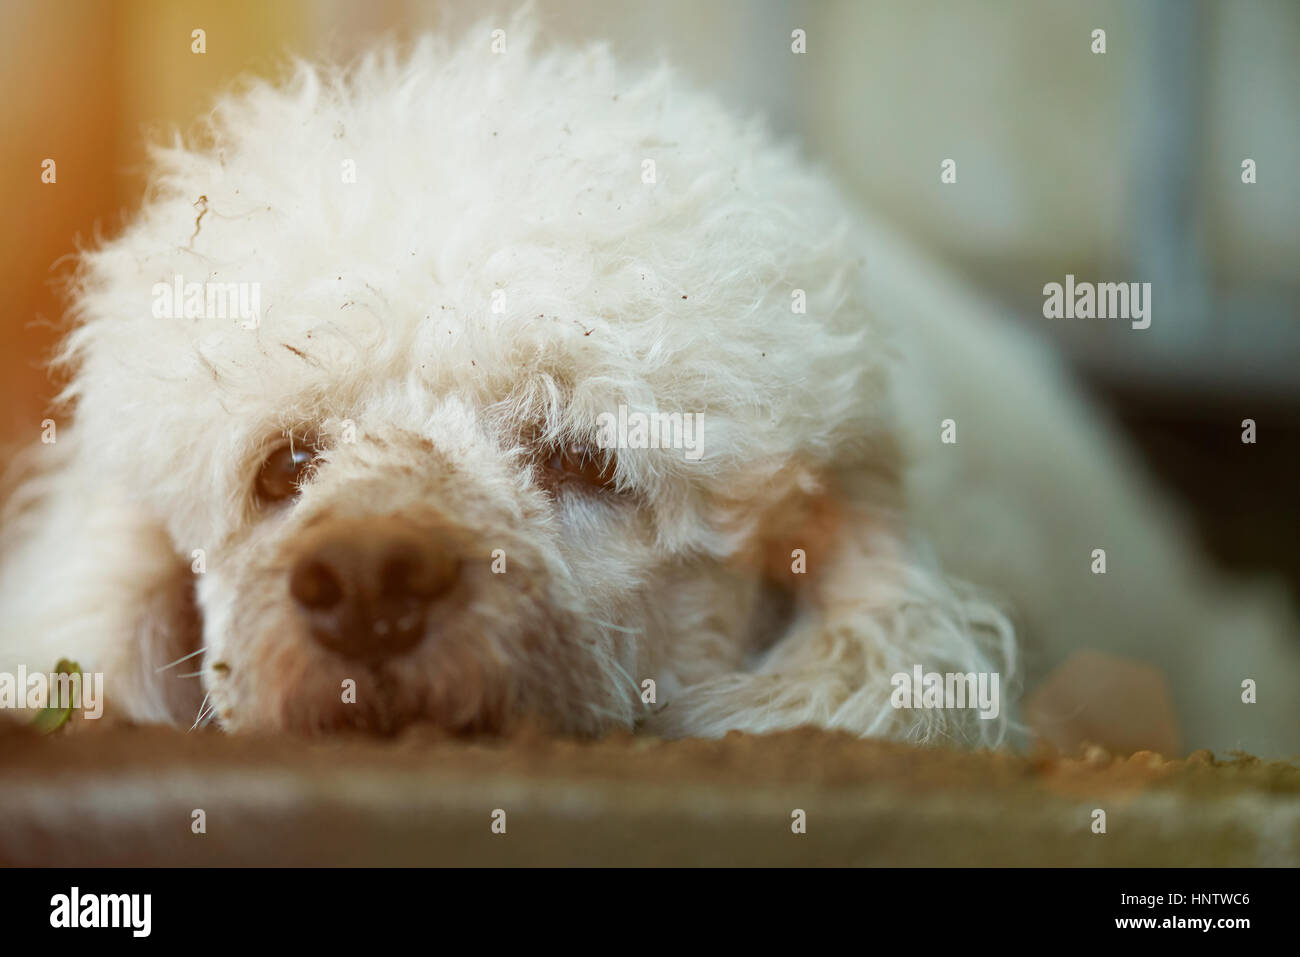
{"points": [[384, 348]]}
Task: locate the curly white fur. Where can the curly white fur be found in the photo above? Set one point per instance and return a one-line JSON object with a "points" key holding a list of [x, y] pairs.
{"points": [[518, 174], [512, 180]]}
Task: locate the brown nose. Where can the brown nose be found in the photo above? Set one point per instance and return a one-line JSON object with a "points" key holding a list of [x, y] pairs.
{"points": [[365, 587]]}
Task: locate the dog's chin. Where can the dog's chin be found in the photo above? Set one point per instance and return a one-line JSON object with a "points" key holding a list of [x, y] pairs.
{"points": [[390, 718], [384, 705], [384, 708], [453, 693]]}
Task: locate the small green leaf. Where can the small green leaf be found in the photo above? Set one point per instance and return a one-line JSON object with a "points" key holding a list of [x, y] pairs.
{"points": [[51, 718]]}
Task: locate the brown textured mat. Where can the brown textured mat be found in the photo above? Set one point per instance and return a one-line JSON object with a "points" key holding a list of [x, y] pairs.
{"points": [[128, 796]]}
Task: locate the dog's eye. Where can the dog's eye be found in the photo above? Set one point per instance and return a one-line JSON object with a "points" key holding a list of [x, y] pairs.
{"points": [[283, 471], [582, 462]]}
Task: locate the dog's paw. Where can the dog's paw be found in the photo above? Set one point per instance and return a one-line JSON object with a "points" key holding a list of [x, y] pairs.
{"points": [[744, 702]]}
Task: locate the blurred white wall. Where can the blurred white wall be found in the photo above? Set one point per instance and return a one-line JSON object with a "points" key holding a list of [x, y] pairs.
{"points": [[1123, 166]]}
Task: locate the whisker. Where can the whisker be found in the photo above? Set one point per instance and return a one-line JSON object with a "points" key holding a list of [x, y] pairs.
{"points": [[179, 660], [612, 626], [603, 712], [636, 689], [202, 708], [206, 718]]}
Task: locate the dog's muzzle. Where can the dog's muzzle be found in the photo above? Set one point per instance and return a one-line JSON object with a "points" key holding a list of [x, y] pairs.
{"points": [[365, 586]]}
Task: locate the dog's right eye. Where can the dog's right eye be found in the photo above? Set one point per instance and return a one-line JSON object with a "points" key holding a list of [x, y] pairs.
{"points": [[282, 473]]}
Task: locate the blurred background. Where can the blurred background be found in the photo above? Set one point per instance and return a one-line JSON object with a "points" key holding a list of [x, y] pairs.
{"points": [[1123, 166]]}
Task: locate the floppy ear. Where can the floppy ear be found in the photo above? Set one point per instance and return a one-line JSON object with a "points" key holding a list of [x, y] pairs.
{"points": [[870, 605], [86, 576]]}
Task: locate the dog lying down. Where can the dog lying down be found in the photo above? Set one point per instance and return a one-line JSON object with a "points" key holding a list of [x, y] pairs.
{"points": [[473, 387]]}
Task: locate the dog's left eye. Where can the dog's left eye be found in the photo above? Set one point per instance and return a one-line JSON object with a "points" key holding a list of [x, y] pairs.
{"points": [[283, 472]]}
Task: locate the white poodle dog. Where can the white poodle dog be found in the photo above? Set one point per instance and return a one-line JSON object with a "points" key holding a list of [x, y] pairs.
{"points": [[342, 397]]}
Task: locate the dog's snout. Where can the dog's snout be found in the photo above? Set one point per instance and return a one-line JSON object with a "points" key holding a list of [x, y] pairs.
{"points": [[365, 587]]}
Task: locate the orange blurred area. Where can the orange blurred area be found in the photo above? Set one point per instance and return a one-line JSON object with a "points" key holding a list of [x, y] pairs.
{"points": [[90, 83]]}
